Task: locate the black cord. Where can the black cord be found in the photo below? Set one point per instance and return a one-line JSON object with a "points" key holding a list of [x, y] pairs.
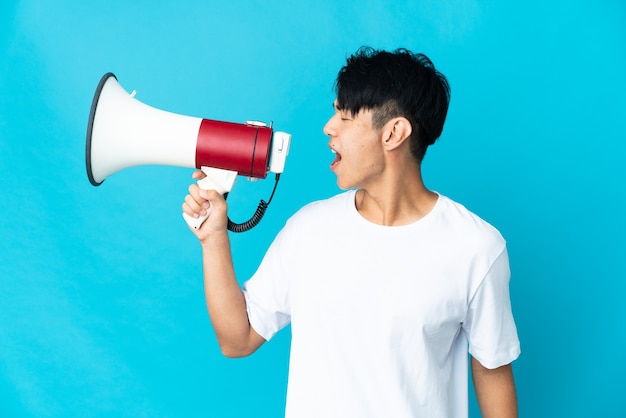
{"points": [[258, 214]]}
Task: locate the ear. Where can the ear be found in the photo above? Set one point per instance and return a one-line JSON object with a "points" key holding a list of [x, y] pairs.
{"points": [[396, 132]]}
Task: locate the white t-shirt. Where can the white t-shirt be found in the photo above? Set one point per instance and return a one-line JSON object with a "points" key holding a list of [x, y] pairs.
{"points": [[382, 316]]}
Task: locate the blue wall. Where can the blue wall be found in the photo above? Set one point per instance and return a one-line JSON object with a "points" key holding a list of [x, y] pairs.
{"points": [[101, 304]]}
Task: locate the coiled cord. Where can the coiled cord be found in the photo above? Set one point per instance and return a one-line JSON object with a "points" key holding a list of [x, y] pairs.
{"points": [[258, 214]]}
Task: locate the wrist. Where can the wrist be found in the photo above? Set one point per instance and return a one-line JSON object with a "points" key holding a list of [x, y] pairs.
{"points": [[215, 239]]}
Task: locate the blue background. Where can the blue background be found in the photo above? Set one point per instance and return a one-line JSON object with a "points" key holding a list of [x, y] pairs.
{"points": [[101, 304]]}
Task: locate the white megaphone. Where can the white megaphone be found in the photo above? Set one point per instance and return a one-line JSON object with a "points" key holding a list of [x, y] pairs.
{"points": [[123, 132]]}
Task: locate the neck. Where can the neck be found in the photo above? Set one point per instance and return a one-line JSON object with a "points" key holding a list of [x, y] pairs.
{"points": [[397, 200]]}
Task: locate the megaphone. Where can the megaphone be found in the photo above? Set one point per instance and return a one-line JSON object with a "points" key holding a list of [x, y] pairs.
{"points": [[123, 132]]}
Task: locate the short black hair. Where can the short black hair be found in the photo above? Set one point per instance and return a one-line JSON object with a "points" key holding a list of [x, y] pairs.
{"points": [[392, 84]]}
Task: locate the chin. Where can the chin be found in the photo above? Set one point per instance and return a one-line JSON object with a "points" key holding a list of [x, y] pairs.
{"points": [[347, 182], [345, 186]]}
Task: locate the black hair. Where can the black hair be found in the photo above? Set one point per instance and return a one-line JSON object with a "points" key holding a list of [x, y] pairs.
{"points": [[392, 84]]}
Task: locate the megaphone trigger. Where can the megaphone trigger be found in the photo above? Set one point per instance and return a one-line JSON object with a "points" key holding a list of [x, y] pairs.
{"points": [[217, 179]]}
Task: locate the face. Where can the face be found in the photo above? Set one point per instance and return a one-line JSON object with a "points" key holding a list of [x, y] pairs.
{"points": [[358, 149]]}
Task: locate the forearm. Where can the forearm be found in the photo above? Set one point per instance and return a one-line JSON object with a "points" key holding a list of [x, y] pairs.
{"points": [[225, 301], [495, 391]]}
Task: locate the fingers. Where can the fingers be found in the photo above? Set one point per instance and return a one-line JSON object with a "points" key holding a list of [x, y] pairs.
{"points": [[198, 174], [208, 205], [198, 201], [195, 204], [192, 208]]}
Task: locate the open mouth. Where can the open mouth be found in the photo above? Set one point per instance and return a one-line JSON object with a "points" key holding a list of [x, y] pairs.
{"points": [[336, 160]]}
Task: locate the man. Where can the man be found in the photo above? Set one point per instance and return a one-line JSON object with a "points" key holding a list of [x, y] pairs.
{"points": [[387, 284]]}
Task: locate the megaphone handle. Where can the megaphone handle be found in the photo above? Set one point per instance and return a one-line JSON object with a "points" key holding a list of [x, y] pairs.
{"points": [[216, 179]]}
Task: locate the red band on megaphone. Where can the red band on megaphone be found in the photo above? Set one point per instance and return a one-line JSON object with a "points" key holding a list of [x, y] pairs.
{"points": [[233, 146]]}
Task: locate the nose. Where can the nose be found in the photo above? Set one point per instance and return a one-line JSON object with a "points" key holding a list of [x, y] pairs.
{"points": [[329, 128]]}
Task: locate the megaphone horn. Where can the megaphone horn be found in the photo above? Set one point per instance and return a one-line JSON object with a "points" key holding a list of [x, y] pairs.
{"points": [[123, 132]]}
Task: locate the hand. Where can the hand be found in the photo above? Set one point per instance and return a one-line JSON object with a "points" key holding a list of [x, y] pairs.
{"points": [[200, 202]]}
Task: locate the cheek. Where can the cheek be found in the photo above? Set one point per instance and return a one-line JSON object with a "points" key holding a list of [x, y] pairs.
{"points": [[371, 152]]}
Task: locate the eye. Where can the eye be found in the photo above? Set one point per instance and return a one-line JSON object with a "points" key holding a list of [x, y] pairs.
{"points": [[345, 116]]}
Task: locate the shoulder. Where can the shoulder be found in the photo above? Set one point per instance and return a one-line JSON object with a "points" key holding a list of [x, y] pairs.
{"points": [[319, 218], [468, 227], [326, 208]]}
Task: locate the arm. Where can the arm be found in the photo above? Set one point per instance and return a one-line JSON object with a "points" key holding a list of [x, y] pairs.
{"points": [[225, 300], [495, 390]]}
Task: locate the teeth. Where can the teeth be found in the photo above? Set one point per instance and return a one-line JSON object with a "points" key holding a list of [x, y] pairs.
{"points": [[333, 151]]}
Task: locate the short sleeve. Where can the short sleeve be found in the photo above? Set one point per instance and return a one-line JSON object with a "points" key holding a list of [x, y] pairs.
{"points": [[267, 292], [489, 323]]}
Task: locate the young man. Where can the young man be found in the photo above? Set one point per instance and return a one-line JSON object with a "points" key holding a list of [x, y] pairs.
{"points": [[387, 284]]}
